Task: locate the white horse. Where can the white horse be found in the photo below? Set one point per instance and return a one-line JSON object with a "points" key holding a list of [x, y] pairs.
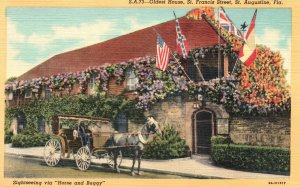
{"points": [[136, 141]]}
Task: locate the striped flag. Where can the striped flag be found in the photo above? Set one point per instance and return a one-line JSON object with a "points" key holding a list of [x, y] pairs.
{"points": [[248, 52], [181, 41], [163, 54], [226, 23]]}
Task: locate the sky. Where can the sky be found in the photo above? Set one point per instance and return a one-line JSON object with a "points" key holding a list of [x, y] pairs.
{"points": [[36, 34]]}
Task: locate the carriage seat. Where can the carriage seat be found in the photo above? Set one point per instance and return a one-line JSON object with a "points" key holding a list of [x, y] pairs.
{"points": [[70, 139], [69, 142], [68, 133]]}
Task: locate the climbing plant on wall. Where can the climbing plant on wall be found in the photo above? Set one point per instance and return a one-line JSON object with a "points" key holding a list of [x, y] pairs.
{"points": [[263, 84], [96, 106], [244, 93]]}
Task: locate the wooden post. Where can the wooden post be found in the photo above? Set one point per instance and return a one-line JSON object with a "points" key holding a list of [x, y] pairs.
{"points": [[219, 44], [226, 64]]}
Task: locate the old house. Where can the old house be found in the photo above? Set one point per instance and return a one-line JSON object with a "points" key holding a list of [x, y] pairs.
{"points": [[196, 120]]}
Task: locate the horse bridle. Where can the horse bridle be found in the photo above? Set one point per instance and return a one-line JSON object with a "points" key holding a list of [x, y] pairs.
{"points": [[151, 129]]}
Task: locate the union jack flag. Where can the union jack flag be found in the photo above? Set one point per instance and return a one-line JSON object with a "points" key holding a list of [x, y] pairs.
{"points": [[226, 23], [163, 54], [182, 45]]}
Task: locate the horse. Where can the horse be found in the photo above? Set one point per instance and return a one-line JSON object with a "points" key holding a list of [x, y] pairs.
{"points": [[136, 141]]}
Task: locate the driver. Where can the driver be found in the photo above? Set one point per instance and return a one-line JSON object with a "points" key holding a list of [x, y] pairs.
{"points": [[84, 136]]}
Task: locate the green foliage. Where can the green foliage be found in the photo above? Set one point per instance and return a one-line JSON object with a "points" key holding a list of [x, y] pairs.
{"points": [[169, 145], [30, 130], [220, 140], [10, 80], [8, 118], [69, 123], [29, 140], [95, 106], [252, 158], [7, 137]]}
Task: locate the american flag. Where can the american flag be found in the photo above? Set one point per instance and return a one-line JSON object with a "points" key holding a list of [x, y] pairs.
{"points": [[163, 54], [227, 24], [181, 41]]}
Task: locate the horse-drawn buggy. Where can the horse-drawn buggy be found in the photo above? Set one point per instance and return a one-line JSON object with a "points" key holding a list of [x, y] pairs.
{"points": [[89, 137], [83, 137]]}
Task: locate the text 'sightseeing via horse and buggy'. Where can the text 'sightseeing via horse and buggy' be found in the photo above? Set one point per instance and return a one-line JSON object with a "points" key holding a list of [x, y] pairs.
{"points": [[91, 137]]}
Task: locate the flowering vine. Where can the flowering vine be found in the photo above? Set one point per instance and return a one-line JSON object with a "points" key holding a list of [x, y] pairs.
{"points": [[260, 88], [263, 83]]}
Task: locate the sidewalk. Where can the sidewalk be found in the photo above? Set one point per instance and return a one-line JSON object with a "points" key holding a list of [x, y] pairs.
{"points": [[198, 166]]}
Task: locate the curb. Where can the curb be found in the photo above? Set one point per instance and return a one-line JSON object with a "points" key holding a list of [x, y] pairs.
{"points": [[169, 160], [197, 176]]}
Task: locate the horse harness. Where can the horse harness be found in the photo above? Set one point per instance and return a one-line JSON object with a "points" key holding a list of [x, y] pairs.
{"points": [[141, 139]]}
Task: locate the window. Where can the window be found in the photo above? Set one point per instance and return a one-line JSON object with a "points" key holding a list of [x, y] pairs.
{"points": [[92, 86], [10, 96], [48, 93], [210, 66], [132, 80], [21, 121], [191, 70], [121, 123], [42, 124], [28, 93]]}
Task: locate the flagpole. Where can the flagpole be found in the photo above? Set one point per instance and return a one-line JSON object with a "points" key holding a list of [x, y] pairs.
{"points": [[195, 63], [234, 67], [181, 67], [175, 58]]}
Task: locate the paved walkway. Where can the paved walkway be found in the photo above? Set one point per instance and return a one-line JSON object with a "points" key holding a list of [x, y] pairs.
{"points": [[198, 166]]}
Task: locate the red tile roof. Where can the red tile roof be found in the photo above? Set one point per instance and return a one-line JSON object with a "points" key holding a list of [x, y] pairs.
{"points": [[133, 45]]}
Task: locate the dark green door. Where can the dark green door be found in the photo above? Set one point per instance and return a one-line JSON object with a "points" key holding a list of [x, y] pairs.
{"points": [[203, 132]]}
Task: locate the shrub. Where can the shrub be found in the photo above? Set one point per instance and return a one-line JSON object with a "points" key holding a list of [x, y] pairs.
{"points": [[252, 158], [220, 140], [29, 140], [7, 137], [169, 145], [30, 130]]}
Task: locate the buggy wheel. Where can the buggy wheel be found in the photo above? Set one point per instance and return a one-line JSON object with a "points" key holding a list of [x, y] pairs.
{"points": [[83, 158], [109, 156], [52, 152]]}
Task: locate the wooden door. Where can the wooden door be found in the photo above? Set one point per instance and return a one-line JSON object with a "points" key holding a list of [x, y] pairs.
{"points": [[203, 130]]}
